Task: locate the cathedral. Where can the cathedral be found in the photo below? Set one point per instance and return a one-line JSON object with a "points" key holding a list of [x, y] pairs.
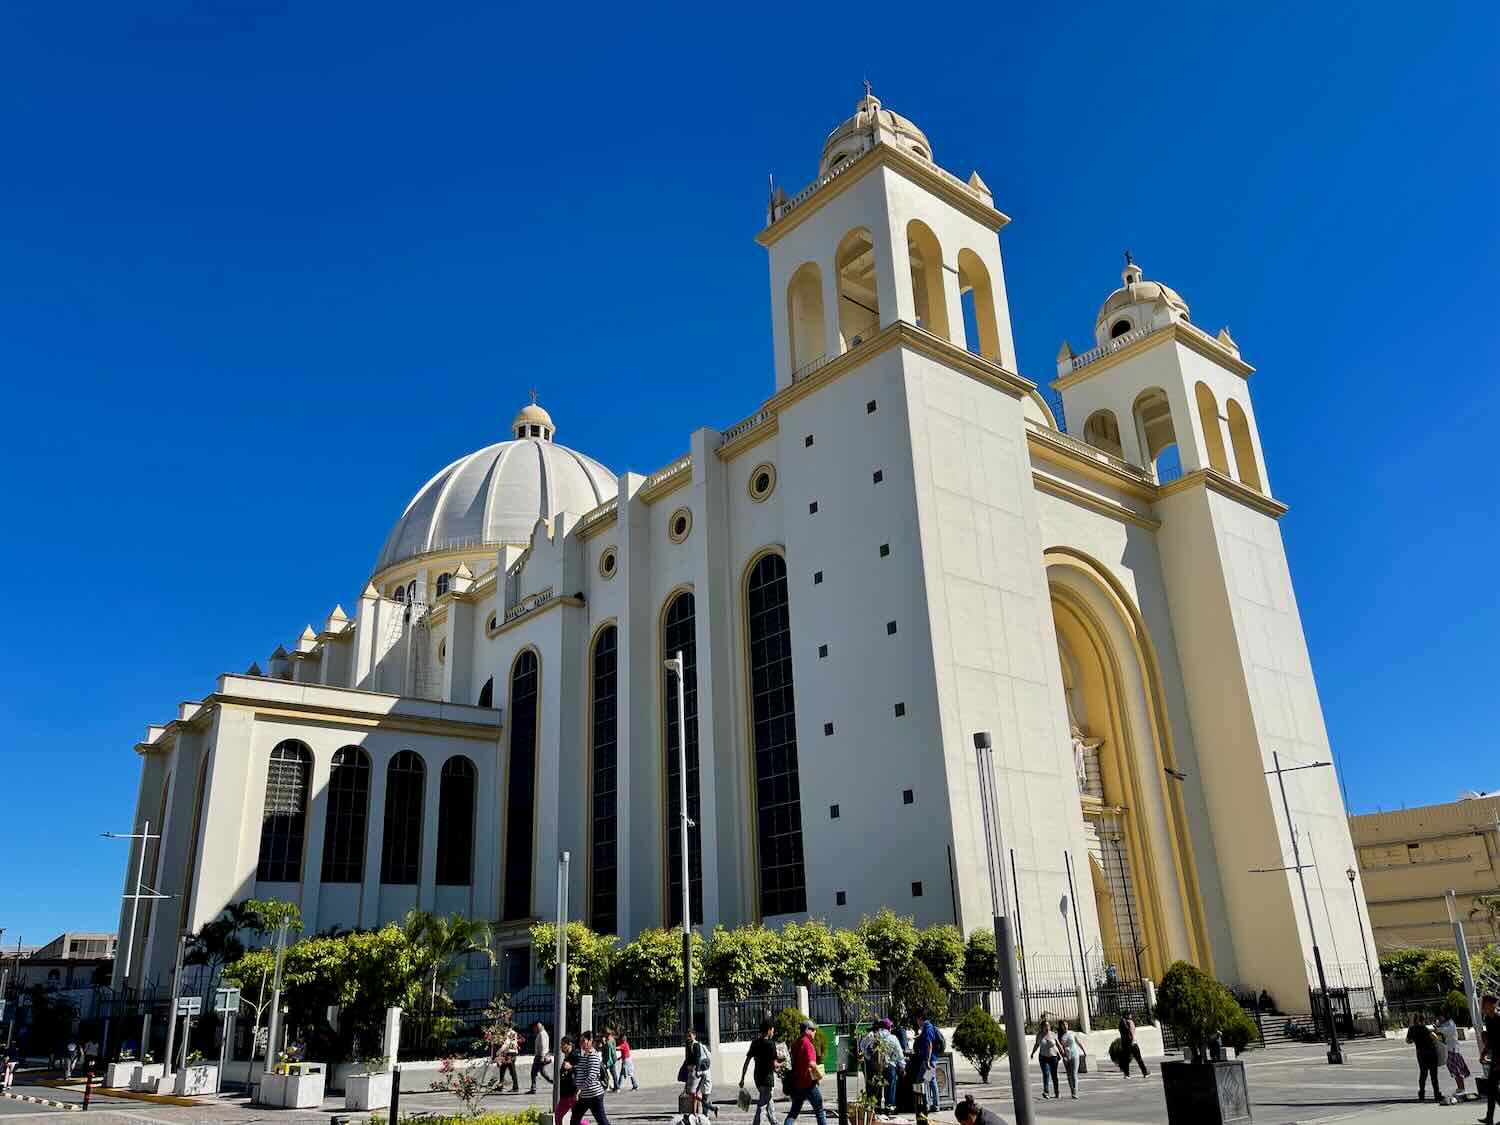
{"points": [[900, 547]]}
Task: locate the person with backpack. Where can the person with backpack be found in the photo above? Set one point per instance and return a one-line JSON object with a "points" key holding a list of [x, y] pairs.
{"points": [[1129, 1048], [928, 1046], [697, 1075]]}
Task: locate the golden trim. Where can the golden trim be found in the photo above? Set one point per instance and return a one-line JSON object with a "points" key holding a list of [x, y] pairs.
{"points": [[1043, 446], [881, 156], [610, 553], [1187, 337], [761, 497], [590, 656], [412, 725], [599, 525], [667, 487], [680, 513], [749, 439], [661, 725], [531, 614], [536, 778], [1225, 486], [1101, 504], [1160, 723]]}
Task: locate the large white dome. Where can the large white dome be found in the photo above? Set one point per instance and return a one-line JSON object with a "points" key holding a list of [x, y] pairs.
{"points": [[496, 494]]}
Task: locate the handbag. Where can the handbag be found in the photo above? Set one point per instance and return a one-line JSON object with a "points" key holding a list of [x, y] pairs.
{"points": [[1083, 1064]]}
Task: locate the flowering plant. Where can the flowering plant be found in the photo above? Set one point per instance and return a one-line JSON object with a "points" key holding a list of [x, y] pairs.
{"points": [[470, 1085]]}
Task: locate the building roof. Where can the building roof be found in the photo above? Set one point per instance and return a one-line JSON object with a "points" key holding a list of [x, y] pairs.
{"points": [[1135, 290]]}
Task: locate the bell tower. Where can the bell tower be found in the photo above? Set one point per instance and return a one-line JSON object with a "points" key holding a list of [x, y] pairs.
{"points": [[883, 234]]}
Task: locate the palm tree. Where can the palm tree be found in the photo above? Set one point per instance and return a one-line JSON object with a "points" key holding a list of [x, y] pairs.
{"points": [[442, 944]]}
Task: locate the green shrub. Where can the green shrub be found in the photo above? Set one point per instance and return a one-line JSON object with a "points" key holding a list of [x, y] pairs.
{"points": [[980, 967], [915, 988], [1456, 1007], [789, 1030], [980, 1039], [1440, 974], [1198, 1008], [891, 939], [941, 949], [1117, 1052]]}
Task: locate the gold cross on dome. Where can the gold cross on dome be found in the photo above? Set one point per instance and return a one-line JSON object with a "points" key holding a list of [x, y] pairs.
{"points": [[533, 396]]}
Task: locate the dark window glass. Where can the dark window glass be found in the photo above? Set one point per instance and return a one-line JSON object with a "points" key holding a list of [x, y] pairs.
{"points": [[833, 812], [401, 847], [812, 509], [520, 786], [908, 797], [284, 822], [455, 842], [487, 693], [916, 890], [817, 577], [807, 441], [870, 407], [885, 549], [879, 475], [840, 898], [822, 651], [679, 634], [348, 810], [778, 804], [605, 789], [890, 628], [443, 582], [900, 710]]}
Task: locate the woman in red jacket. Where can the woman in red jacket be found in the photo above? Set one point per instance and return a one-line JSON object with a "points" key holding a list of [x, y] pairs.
{"points": [[805, 1086]]}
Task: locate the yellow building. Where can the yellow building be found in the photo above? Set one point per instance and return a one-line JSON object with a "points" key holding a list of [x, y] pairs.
{"points": [[1410, 859]]}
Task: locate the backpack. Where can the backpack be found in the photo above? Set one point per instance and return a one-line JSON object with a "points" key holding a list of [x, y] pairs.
{"points": [[939, 1043]]}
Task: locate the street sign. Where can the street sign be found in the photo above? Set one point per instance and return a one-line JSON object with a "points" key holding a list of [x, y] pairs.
{"points": [[227, 1000], [189, 1005]]}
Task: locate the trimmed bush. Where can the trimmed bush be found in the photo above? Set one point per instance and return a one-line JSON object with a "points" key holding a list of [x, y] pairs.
{"points": [[789, 1030], [1456, 1007], [1198, 1007], [915, 988], [980, 1039]]}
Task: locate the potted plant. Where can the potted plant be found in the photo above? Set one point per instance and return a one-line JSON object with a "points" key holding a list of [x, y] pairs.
{"points": [[147, 1074], [1202, 1090], [293, 1084], [197, 1076], [118, 1074], [368, 1085], [864, 1109]]}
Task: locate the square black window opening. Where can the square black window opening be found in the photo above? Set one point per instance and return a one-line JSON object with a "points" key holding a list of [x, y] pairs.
{"points": [[817, 578], [879, 475], [890, 628], [812, 509], [822, 651], [870, 407], [840, 898], [916, 890], [908, 797], [833, 812], [885, 550], [900, 710], [827, 729], [807, 441]]}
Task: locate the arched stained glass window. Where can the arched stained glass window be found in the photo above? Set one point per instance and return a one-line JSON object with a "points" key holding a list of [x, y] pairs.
{"points": [[679, 634], [778, 798], [455, 835], [401, 846], [603, 915], [520, 786], [284, 821], [348, 813]]}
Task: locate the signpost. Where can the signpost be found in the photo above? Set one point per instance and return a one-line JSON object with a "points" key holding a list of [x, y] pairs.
{"points": [[226, 1004]]}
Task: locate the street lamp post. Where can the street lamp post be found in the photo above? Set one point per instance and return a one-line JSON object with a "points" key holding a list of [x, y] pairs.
{"points": [[1005, 946], [1359, 917], [676, 666], [1335, 1053], [145, 835]]}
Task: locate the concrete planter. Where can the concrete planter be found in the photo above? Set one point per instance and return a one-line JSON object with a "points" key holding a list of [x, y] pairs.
{"points": [[1211, 1093], [146, 1077], [197, 1078], [300, 1090], [367, 1091], [117, 1075]]}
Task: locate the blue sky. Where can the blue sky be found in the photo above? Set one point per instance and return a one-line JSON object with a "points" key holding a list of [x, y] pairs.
{"points": [[266, 267]]}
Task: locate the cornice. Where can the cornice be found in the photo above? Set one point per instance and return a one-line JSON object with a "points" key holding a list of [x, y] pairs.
{"points": [[1216, 481], [888, 156], [677, 480], [599, 525], [1191, 339], [1059, 453], [749, 439], [1101, 504]]}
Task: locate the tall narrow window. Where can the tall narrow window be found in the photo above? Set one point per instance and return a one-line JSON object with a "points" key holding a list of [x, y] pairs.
{"points": [[284, 824], [520, 786], [778, 799], [455, 842], [679, 634], [603, 914], [401, 849], [348, 811], [487, 693]]}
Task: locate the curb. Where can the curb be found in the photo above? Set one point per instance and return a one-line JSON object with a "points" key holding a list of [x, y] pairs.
{"points": [[48, 1102]]}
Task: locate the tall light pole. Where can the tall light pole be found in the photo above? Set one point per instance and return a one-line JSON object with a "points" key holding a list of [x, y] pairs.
{"points": [[1462, 947], [560, 951], [1005, 946], [677, 668], [1359, 917], [134, 897], [1335, 1053]]}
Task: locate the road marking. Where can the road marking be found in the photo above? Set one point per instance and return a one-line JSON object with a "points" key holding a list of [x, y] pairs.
{"points": [[15, 1097]]}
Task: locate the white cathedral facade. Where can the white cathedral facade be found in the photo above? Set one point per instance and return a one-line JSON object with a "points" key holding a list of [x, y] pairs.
{"points": [[898, 548]]}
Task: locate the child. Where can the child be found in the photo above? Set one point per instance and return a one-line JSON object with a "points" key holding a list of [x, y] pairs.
{"points": [[627, 1066]]}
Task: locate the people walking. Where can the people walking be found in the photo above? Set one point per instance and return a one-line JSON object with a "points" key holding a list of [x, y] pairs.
{"points": [[1071, 1045], [567, 1085], [588, 1073], [892, 1059], [806, 1074], [627, 1064], [1489, 1040], [510, 1046], [541, 1054], [611, 1060], [1420, 1036], [1129, 1048], [1046, 1050], [762, 1057], [1458, 1068], [697, 1074]]}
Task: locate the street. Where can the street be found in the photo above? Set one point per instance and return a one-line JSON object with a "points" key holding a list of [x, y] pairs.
{"points": [[1288, 1086]]}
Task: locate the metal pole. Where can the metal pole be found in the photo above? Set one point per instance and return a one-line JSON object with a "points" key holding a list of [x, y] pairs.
{"points": [[1135, 941], [1335, 1055], [166, 1055], [274, 1029], [135, 900], [1005, 949], [560, 985], [1462, 945], [1077, 927], [1015, 889], [1364, 948], [678, 667]]}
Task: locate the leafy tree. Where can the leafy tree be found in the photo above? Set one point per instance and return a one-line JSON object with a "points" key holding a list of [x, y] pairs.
{"points": [[980, 1039], [1440, 973], [941, 949], [916, 988], [589, 956], [891, 939], [1402, 962], [268, 915], [743, 961], [853, 964], [789, 1030], [1198, 1008], [1455, 1006], [980, 967], [651, 964], [379, 970], [807, 953], [442, 944], [218, 942]]}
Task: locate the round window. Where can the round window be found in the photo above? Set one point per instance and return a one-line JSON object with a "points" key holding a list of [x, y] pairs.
{"points": [[679, 525], [762, 481], [609, 562]]}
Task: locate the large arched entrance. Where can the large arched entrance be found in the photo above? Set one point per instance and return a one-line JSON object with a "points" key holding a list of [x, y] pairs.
{"points": [[1140, 859]]}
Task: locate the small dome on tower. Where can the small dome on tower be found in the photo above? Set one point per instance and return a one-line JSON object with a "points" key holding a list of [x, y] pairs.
{"points": [[1137, 304], [872, 124], [532, 421]]}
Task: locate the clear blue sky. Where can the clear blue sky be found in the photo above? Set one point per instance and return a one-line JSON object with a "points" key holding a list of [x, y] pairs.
{"points": [[266, 267]]}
